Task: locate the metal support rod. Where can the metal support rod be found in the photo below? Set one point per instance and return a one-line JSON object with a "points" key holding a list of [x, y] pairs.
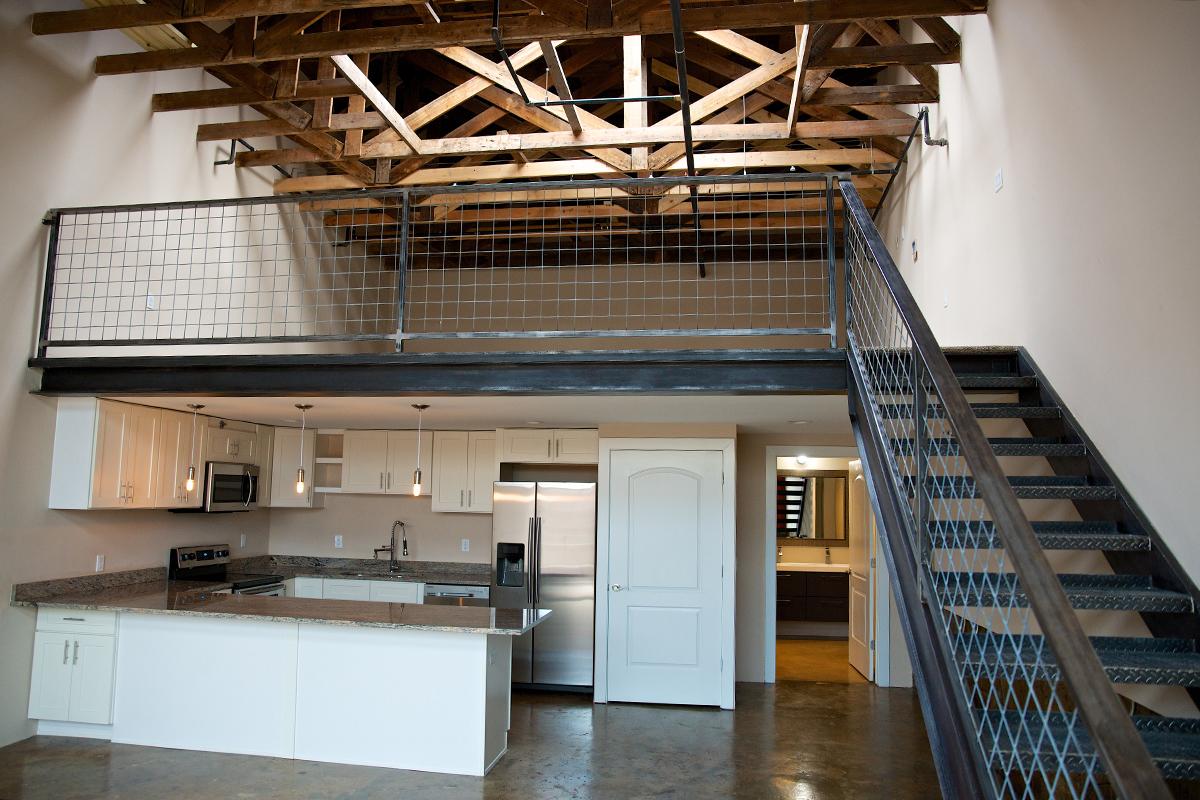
{"points": [[922, 120], [921, 469], [233, 143], [402, 272], [51, 219], [598, 101], [831, 257], [685, 110]]}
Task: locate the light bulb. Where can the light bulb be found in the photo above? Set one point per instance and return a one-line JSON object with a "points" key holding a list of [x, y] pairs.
{"points": [[190, 483], [801, 459], [300, 481], [416, 485]]}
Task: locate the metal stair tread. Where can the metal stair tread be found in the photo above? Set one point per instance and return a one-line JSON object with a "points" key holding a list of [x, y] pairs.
{"points": [[1110, 592], [1088, 535], [1172, 662], [982, 411], [1001, 446], [1026, 487]]}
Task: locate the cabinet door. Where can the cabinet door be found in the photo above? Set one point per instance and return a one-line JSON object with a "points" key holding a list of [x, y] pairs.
{"points": [[339, 589], [140, 461], [396, 591], [50, 687], [451, 470], [306, 587], [482, 466], [288, 450], [232, 445], [266, 458], [402, 460], [527, 445], [92, 678], [577, 446], [108, 473], [173, 451], [365, 461]]}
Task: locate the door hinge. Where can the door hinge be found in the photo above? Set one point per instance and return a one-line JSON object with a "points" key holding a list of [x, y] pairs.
{"points": [[872, 562], [872, 645]]}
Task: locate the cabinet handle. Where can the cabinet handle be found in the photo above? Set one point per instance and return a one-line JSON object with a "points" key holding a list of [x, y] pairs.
{"points": [[75, 655], [66, 648], [381, 480], [461, 492], [73, 619], [547, 448], [470, 497], [557, 448], [389, 484]]}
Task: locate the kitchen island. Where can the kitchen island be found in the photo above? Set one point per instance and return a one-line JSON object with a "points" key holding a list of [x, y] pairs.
{"points": [[398, 685]]}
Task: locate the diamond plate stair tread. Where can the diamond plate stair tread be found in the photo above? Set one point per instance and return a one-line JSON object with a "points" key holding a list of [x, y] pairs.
{"points": [[981, 535], [1163, 662], [1040, 487], [1001, 446], [982, 411], [1173, 742], [1110, 592]]}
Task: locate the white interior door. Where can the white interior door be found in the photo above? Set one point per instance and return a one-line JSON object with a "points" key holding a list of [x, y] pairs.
{"points": [[862, 588], [666, 510]]}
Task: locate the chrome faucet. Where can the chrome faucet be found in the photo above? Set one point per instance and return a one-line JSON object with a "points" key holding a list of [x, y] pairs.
{"points": [[828, 556], [390, 547], [779, 555]]}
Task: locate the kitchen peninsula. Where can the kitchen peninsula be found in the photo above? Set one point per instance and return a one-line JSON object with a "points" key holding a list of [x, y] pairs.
{"points": [[398, 685]]}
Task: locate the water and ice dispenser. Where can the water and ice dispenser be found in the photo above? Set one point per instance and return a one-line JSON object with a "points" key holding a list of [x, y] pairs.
{"points": [[510, 564]]}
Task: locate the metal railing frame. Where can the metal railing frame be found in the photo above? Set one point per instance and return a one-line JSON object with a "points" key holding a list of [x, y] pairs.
{"points": [[1118, 745], [408, 197]]}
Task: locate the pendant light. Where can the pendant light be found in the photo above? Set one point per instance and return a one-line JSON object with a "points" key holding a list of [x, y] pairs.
{"points": [[190, 484], [304, 407], [416, 484]]}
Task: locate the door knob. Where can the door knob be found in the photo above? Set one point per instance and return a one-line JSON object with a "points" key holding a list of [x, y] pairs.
{"points": [[616, 587]]}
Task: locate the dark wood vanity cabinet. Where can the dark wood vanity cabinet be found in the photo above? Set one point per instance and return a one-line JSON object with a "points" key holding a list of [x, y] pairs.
{"points": [[812, 596]]}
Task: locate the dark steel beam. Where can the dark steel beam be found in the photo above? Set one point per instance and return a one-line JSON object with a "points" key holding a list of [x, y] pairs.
{"points": [[617, 372]]}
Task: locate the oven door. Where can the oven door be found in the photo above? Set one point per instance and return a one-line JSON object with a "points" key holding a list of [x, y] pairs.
{"points": [[270, 590], [231, 487]]}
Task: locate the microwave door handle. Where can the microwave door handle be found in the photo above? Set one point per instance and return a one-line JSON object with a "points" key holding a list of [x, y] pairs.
{"points": [[249, 489]]}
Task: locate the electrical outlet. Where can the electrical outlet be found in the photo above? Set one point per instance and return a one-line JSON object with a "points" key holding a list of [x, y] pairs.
{"points": [[151, 302], [337, 541], [243, 541], [466, 545], [99, 563], [915, 252], [945, 298], [998, 180]]}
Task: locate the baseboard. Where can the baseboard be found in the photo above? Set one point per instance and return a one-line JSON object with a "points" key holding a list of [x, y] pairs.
{"points": [[84, 730]]}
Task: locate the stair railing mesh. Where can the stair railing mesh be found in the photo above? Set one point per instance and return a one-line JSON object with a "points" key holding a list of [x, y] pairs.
{"points": [[1046, 720]]}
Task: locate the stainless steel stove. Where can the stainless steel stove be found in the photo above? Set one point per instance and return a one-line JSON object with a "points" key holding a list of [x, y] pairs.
{"points": [[210, 563]]}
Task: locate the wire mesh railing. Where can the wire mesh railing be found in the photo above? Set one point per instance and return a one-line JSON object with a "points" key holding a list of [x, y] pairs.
{"points": [[1046, 723], [753, 255]]}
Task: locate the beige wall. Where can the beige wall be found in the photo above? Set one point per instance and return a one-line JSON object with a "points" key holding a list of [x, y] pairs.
{"points": [[365, 522], [71, 139], [1086, 256]]}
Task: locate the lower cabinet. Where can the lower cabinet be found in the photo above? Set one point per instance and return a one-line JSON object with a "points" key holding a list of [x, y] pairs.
{"points": [[73, 667], [812, 596], [356, 589]]}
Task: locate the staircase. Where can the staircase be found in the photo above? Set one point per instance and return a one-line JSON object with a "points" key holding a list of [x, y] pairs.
{"points": [[1001, 521]]}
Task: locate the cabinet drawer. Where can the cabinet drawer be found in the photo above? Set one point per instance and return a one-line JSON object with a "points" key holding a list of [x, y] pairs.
{"points": [[828, 585], [396, 591], [791, 584], [828, 609], [789, 608], [306, 587], [337, 589], [72, 621]]}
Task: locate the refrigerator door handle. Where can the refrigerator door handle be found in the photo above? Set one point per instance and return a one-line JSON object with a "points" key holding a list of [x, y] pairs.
{"points": [[537, 587], [529, 564]]}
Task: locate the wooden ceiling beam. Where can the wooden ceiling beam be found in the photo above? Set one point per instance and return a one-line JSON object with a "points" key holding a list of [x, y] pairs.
{"points": [[803, 54], [469, 33], [383, 105], [885, 34], [560, 83], [884, 56], [940, 32]]}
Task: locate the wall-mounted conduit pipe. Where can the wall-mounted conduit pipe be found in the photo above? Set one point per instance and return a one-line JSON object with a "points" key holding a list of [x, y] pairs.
{"points": [[921, 123], [233, 143], [685, 107]]}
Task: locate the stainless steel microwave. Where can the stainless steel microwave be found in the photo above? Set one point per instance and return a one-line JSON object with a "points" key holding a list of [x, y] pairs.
{"points": [[230, 487]]}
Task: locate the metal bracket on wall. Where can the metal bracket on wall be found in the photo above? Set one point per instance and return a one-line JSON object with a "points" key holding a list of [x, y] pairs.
{"points": [[233, 143]]}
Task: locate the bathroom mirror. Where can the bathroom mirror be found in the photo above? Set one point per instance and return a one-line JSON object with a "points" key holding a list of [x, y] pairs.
{"points": [[811, 507]]}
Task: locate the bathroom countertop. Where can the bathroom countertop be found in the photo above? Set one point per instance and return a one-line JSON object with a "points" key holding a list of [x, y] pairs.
{"points": [[804, 566]]}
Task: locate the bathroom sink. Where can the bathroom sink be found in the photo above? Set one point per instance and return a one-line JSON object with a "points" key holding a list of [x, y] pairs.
{"points": [[804, 566]]}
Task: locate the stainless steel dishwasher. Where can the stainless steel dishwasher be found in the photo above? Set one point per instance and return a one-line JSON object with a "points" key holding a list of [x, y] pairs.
{"points": [[446, 594]]}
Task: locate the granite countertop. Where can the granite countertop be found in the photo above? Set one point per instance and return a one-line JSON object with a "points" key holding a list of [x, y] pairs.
{"points": [[797, 566], [200, 598], [463, 574], [425, 576]]}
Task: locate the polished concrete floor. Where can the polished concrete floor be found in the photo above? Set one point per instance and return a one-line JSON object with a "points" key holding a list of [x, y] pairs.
{"points": [[799, 741], [820, 660]]}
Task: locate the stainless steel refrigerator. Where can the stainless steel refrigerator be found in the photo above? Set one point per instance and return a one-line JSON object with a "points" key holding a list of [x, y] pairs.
{"points": [[544, 551]]}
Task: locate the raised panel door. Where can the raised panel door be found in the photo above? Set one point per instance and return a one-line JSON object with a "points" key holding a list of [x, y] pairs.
{"points": [[140, 456], [50, 685], [108, 473], [402, 461], [451, 470], [92, 678], [577, 446], [173, 450], [289, 451], [483, 468], [365, 461], [527, 445]]}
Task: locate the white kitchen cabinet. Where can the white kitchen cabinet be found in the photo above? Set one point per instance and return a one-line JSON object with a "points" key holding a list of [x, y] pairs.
{"points": [[342, 589], [288, 450], [382, 462], [104, 454], [397, 592], [549, 446], [72, 677], [305, 587], [463, 465], [176, 450], [232, 442], [266, 458]]}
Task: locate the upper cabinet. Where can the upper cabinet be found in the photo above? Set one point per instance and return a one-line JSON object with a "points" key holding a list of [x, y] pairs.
{"points": [[265, 449], [290, 452], [179, 447], [382, 462], [463, 463], [232, 442], [547, 446], [104, 454]]}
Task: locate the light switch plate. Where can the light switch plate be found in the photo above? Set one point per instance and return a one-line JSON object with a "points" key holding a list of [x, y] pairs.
{"points": [[466, 545], [998, 180], [337, 541], [99, 563], [243, 541]]}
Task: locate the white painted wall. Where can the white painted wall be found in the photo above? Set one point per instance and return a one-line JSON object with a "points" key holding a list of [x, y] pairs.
{"points": [[70, 139], [1086, 256]]}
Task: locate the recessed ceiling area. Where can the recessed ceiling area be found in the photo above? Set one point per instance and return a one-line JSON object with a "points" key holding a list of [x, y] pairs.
{"points": [[818, 415]]}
